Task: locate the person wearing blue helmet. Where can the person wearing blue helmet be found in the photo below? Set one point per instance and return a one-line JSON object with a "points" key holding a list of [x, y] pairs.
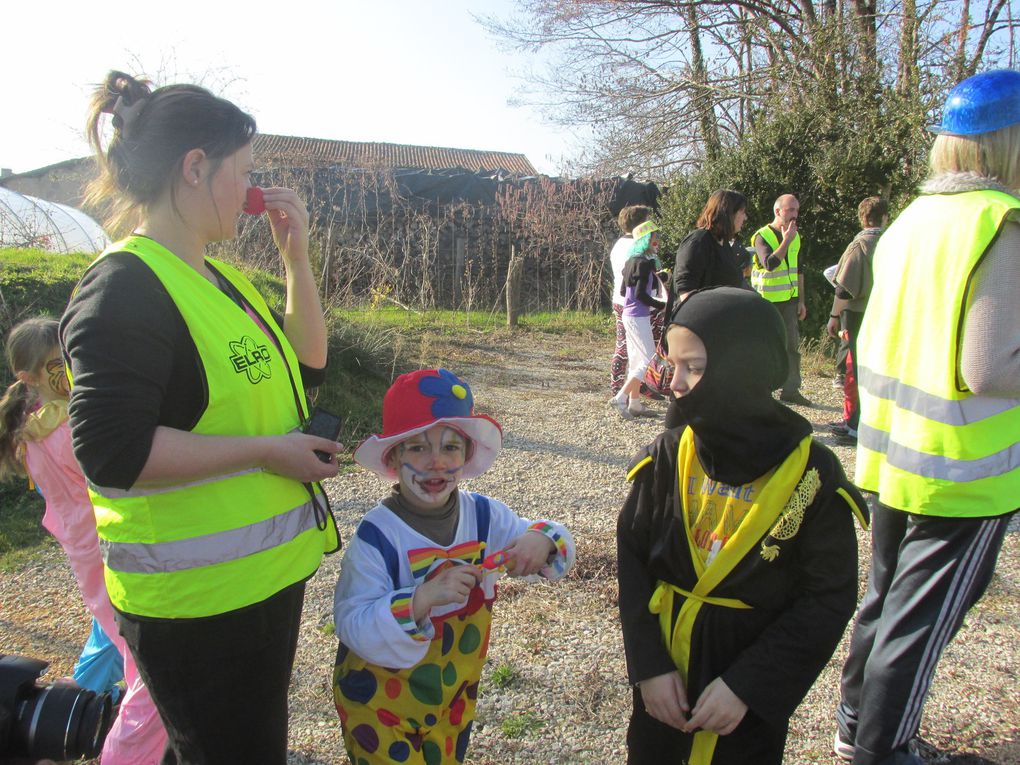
{"points": [[939, 435]]}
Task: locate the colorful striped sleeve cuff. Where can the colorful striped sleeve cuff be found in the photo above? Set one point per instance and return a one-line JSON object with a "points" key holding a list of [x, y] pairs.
{"points": [[560, 561], [400, 607]]}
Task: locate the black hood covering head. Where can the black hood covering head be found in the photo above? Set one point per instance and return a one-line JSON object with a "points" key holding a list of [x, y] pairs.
{"points": [[740, 431]]}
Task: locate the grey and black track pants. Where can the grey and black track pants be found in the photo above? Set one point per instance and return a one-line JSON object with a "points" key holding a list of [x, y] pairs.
{"points": [[926, 573]]}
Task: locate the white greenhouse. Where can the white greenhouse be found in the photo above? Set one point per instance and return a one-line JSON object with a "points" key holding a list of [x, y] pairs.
{"points": [[31, 222]]}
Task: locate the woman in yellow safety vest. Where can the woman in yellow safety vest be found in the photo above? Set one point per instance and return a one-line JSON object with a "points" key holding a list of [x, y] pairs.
{"points": [[188, 393], [939, 437]]}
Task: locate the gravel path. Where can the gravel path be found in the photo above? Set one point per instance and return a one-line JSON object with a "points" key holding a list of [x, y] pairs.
{"points": [[554, 690]]}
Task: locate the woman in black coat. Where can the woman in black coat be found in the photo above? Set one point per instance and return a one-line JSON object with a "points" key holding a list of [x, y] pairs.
{"points": [[706, 257]]}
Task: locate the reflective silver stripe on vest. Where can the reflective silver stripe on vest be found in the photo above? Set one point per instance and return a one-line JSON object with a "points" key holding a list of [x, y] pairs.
{"points": [[947, 411], [220, 547], [775, 274], [152, 491], [935, 465], [774, 287]]}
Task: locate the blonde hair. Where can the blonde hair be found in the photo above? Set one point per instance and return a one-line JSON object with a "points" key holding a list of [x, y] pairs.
{"points": [[995, 154], [29, 346]]}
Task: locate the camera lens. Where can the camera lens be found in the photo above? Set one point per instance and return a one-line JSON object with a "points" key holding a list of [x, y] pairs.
{"points": [[62, 723]]}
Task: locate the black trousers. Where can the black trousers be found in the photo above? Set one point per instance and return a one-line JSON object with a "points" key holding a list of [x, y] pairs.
{"points": [[220, 682], [926, 573]]}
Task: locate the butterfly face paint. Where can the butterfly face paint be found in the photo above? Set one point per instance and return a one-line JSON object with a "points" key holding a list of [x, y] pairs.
{"points": [[56, 378], [429, 466]]}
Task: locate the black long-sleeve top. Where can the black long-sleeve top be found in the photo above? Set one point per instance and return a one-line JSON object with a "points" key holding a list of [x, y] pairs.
{"points": [[770, 654], [702, 261], [637, 273], [135, 367]]}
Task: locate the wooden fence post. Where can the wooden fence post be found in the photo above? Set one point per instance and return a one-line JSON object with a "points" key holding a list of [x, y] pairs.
{"points": [[514, 272]]}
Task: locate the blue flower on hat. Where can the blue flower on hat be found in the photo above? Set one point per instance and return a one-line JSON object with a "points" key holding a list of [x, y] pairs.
{"points": [[452, 395]]}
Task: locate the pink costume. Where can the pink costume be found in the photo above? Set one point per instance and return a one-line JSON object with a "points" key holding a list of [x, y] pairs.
{"points": [[137, 736]]}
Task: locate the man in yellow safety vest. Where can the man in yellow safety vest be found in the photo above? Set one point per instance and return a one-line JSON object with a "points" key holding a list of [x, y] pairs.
{"points": [[776, 275]]}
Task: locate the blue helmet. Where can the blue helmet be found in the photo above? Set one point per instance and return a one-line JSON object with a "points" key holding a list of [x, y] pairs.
{"points": [[982, 104]]}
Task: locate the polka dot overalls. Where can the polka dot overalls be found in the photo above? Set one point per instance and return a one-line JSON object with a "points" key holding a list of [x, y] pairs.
{"points": [[422, 714]]}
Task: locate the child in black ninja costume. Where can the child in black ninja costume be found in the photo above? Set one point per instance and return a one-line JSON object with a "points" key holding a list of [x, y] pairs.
{"points": [[737, 551]]}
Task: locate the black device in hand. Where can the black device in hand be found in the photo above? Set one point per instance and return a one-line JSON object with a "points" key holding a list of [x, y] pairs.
{"points": [[325, 425]]}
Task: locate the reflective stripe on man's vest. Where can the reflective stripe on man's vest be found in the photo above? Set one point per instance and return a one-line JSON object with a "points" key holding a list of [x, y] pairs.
{"points": [[779, 285], [926, 444], [205, 547]]}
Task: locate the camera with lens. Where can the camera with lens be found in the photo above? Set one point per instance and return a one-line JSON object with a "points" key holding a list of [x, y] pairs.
{"points": [[55, 722]]}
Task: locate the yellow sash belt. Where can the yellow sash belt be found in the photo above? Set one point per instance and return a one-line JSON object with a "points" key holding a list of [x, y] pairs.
{"points": [[763, 514], [678, 641]]}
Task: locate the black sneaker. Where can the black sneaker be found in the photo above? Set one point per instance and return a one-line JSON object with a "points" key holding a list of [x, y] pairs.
{"points": [[794, 398], [838, 428]]}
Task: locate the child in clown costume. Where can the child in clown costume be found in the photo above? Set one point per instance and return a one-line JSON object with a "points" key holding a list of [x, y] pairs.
{"points": [[414, 602]]}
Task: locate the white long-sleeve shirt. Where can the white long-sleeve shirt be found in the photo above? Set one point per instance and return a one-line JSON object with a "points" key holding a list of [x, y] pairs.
{"points": [[383, 565]]}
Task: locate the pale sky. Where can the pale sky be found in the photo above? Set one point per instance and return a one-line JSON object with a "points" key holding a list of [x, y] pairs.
{"points": [[395, 71]]}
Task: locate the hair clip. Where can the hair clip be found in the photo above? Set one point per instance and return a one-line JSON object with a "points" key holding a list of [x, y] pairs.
{"points": [[125, 113]]}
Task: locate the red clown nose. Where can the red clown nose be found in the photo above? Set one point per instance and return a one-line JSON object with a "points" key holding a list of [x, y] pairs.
{"points": [[254, 202]]}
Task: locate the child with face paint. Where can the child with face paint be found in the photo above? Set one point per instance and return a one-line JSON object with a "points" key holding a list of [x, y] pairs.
{"points": [[417, 584], [736, 547], [35, 440]]}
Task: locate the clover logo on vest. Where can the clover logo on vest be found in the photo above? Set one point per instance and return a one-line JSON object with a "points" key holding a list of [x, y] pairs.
{"points": [[252, 358]]}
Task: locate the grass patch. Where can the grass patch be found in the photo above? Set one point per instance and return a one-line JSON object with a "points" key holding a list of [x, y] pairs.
{"points": [[517, 726], [569, 323], [37, 282], [504, 675], [21, 532], [817, 356], [444, 321], [362, 362]]}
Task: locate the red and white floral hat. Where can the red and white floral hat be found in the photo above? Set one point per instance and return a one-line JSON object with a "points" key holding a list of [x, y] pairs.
{"points": [[417, 401]]}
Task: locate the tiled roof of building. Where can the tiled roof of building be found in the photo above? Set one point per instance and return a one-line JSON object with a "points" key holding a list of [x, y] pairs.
{"points": [[276, 150], [79, 164]]}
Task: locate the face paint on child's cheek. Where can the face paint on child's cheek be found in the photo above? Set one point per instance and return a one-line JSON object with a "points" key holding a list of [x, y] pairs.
{"points": [[57, 378], [432, 488]]}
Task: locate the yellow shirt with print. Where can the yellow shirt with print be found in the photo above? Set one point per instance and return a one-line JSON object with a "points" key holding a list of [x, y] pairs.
{"points": [[715, 510]]}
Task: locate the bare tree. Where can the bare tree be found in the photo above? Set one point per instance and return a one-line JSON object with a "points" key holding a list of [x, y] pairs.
{"points": [[669, 83]]}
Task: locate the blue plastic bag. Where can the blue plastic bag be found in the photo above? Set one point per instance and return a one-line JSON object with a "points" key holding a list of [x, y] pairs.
{"points": [[100, 666]]}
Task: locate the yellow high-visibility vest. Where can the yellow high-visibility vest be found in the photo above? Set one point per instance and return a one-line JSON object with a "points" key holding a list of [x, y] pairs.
{"points": [[926, 444], [210, 546], [780, 285]]}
